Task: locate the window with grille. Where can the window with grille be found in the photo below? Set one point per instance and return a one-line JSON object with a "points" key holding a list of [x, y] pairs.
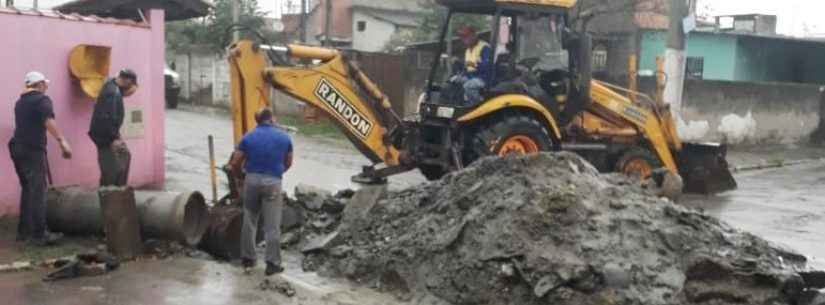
{"points": [[695, 67], [362, 26], [599, 59]]}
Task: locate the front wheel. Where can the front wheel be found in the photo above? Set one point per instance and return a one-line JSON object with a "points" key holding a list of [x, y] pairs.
{"points": [[638, 163], [518, 134]]}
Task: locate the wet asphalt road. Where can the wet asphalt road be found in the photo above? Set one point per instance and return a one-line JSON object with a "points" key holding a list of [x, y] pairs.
{"points": [[320, 162], [784, 205]]}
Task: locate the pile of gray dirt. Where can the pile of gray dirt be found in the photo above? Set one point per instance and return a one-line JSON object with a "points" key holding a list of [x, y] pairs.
{"points": [[549, 229]]}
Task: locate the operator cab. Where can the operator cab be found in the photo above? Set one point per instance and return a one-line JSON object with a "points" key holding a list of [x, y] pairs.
{"points": [[534, 52]]}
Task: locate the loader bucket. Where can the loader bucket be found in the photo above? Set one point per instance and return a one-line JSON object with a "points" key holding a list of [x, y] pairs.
{"points": [[90, 66], [704, 168]]}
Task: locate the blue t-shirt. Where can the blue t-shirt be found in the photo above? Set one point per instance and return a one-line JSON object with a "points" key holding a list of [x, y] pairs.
{"points": [[266, 148]]}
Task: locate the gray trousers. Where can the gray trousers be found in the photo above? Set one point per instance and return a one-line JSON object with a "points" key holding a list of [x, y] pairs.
{"points": [[30, 165], [262, 198], [114, 165]]}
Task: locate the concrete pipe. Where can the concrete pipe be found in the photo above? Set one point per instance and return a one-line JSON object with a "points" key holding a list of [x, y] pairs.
{"points": [[182, 217], [223, 239], [74, 210]]}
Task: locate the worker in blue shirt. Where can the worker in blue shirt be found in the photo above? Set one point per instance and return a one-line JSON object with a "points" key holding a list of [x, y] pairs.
{"points": [[478, 65], [266, 154]]}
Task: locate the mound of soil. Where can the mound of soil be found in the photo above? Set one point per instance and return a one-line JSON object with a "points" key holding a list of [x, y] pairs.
{"points": [[549, 229]]}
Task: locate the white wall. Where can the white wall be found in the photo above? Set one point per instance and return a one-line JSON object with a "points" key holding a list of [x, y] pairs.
{"points": [[376, 35], [210, 73], [204, 72]]}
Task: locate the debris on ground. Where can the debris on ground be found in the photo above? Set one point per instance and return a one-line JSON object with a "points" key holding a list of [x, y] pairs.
{"points": [[313, 214], [278, 286], [16, 266], [163, 249], [91, 264], [545, 229]]}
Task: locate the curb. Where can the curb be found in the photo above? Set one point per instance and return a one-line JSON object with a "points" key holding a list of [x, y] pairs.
{"points": [[771, 165]]}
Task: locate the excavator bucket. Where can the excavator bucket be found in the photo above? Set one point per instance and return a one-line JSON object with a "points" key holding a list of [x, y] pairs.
{"points": [[704, 168], [90, 66]]}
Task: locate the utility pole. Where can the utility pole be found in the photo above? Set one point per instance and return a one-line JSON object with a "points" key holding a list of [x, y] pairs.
{"points": [[34, 4], [236, 18], [303, 21], [675, 57], [328, 23]]}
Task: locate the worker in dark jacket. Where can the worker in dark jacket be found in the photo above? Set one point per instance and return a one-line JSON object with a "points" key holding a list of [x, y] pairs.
{"points": [[33, 117], [112, 153]]}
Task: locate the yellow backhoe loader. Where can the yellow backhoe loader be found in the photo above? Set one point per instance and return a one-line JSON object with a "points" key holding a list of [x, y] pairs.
{"points": [[543, 99]]}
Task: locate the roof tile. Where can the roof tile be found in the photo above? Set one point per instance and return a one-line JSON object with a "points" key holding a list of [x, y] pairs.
{"points": [[73, 17]]}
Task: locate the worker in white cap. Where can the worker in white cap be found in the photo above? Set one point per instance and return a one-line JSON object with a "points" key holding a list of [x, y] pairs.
{"points": [[34, 117]]}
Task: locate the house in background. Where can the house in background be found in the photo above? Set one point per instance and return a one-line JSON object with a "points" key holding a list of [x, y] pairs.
{"points": [[743, 48], [363, 25], [735, 65]]}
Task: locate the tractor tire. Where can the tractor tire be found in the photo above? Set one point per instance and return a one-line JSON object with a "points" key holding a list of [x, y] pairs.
{"points": [[502, 135], [637, 162], [432, 172]]}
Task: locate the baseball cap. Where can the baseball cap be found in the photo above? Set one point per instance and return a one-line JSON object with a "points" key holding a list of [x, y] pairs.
{"points": [[128, 74], [35, 77]]}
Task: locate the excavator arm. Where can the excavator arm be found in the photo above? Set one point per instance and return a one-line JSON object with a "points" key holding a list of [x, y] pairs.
{"points": [[334, 85]]}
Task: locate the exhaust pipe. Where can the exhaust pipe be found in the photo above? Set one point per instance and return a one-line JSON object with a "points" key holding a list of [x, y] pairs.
{"points": [[180, 217]]}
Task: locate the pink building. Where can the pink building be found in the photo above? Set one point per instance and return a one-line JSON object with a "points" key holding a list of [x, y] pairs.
{"points": [[41, 40]]}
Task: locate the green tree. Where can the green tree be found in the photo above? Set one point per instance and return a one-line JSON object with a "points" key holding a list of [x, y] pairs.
{"points": [[211, 31]]}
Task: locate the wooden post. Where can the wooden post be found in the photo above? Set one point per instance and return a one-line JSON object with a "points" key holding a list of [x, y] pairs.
{"points": [[213, 175]]}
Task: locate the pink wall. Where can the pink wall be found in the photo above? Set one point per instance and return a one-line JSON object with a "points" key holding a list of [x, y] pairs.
{"points": [[43, 44]]}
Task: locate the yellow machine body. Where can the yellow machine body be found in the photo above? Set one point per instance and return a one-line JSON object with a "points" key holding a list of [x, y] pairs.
{"points": [[511, 101], [627, 123], [327, 86]]}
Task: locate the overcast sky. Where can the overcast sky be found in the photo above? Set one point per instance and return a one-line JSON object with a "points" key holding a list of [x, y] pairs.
{"points": [[794, 15]]}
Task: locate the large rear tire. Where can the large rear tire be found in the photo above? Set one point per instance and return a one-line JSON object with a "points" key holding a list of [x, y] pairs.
{"points": [[508, 133]]}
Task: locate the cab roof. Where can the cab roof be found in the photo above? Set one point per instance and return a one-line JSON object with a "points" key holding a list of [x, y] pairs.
{"points": [[490, 6]]}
